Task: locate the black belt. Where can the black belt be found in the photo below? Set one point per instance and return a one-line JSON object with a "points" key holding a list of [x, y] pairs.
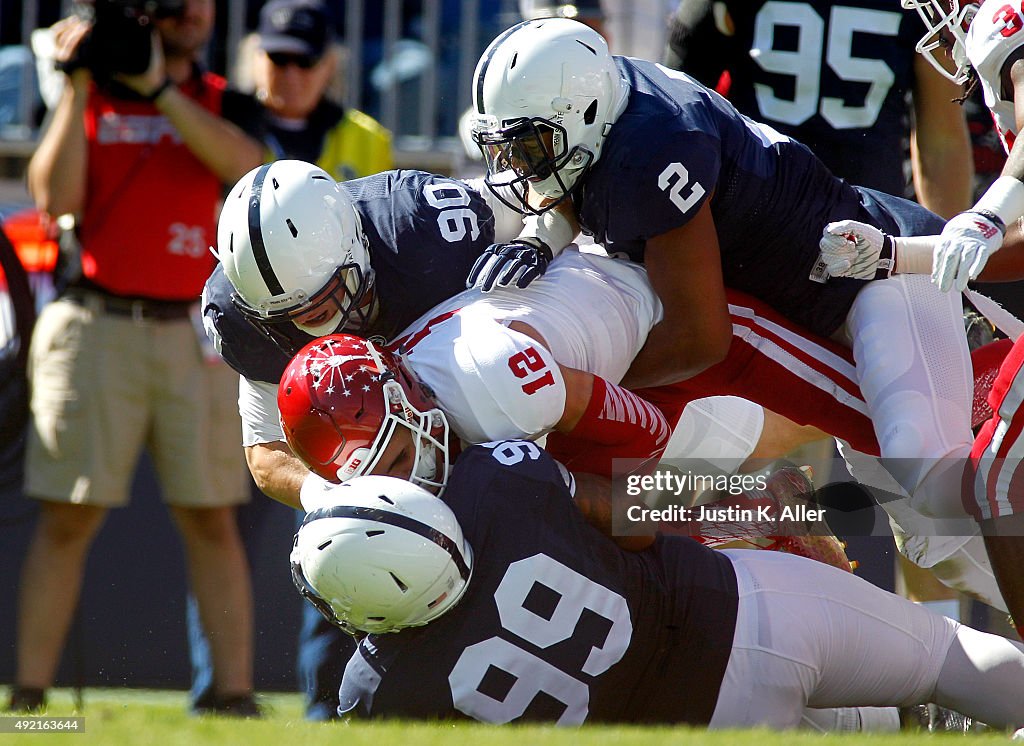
{"points": [[138, 309]]}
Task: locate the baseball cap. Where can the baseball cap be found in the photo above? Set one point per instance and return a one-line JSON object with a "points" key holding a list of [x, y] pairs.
{"points": [[295, 27]]}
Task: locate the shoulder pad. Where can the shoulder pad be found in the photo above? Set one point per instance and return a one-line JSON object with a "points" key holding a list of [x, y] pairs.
{"points": [[247, 350], [492, 382]]}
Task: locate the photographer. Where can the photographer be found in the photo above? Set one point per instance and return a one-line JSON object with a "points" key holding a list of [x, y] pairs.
{"points": [[140, 158]]}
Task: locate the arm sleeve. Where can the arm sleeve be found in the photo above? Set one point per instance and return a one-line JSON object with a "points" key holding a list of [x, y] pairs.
{"points": [[257, 405]]}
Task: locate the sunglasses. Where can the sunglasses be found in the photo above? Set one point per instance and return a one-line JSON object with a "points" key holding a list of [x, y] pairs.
{"points": [[283, 59]]}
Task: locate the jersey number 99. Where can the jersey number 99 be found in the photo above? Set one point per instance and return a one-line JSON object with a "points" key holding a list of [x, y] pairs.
{"points": [[531, 673]]}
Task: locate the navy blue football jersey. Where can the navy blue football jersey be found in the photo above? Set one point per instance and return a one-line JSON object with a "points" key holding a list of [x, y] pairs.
{"points": [[836, 76], [424, 233], [679, 144], [558, 624]]}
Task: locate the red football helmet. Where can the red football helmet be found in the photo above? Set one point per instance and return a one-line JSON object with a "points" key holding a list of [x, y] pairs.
{"points": [[341, 399]]}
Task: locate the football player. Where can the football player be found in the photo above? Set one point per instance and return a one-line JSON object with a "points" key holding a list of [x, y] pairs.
{"points": [[294, 264], [545, 361], [502, 604], [655, 165], [987, 46], [302, 255]]}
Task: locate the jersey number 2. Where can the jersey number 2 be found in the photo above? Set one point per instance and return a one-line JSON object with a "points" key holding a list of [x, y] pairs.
{"points": [[531, 674]]}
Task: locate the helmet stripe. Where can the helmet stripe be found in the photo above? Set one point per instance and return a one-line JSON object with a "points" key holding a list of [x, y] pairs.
{"points": [[397, 520], [486, 60], [259, 249]]}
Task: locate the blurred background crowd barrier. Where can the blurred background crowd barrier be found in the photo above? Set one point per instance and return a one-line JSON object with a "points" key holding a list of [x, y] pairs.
{"points": [[407, 63]]}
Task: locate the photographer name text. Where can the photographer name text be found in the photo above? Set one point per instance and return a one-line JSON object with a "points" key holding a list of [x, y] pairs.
{"points": [[724, 514]]}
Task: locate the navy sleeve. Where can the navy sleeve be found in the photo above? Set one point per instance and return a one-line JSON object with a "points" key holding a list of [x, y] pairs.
{"points": [[506, 459], [661, 162]]}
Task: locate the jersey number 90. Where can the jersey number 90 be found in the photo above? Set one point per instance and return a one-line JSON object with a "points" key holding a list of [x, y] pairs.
{"points": [[457, 217]]}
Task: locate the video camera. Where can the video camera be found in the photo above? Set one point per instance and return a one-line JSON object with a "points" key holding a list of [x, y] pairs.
{"points": [[121, 36]]}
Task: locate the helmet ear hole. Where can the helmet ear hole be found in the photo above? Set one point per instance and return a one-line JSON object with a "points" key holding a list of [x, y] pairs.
{"points": [[591, 113]]}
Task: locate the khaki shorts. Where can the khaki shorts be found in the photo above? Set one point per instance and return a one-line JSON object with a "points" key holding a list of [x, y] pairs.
{"points": [[105, 386]]}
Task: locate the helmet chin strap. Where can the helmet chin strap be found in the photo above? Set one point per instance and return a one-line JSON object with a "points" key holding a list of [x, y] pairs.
{"points": [[330, 326], [338, 323], [562, 180]]}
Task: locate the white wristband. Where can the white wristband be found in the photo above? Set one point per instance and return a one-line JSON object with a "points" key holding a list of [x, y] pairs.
{"points": [[550, 227], [1005, 198], [313, 492]]}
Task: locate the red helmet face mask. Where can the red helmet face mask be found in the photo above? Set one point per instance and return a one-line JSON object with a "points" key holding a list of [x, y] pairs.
{"points": [[341, 401]]}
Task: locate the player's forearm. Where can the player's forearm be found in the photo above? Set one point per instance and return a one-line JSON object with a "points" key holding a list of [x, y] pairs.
{"points": [[222, 147], [1007, 264], [593, 497], [277, 472], [57, 170], [943, 173], [672, 354], [555, 228], [940, 147]]}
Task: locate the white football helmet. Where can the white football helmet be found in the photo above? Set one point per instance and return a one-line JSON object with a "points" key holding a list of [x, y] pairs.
{"points": [[291, 242], [946, 23], [546, 93], [386, 555]]}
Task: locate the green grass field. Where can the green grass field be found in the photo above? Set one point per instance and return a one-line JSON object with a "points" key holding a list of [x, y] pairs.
{"points": [[131, 716]]}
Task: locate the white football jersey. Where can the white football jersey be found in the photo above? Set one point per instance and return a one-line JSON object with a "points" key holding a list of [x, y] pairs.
{"points": [[592, 312], [996, 31]]}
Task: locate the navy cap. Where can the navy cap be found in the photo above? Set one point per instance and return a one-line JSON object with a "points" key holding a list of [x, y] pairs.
{"points": [[295, 27]]}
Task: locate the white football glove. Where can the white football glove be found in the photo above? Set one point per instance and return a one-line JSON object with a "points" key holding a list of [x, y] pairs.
{"points": [[850, 248], [965, 245]]}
